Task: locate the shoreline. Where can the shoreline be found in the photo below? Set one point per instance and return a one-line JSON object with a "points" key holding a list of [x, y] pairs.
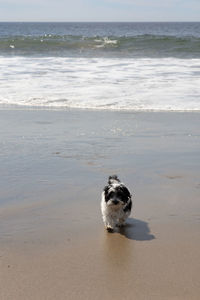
{"points": [[89, 109]]}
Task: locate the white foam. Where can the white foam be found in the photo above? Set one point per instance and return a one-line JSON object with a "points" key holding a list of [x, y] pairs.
{"points": [[105, 41], [101, 83]]}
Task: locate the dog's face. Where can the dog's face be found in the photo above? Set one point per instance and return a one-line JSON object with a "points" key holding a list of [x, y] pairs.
{"points": [[116, 195]]}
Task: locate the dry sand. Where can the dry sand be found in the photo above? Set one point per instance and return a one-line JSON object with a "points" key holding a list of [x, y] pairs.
{"points": [[52, 241]]}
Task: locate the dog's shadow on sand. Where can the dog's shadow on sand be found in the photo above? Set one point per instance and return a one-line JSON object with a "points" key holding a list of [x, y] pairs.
{"points": [[136, 230]]}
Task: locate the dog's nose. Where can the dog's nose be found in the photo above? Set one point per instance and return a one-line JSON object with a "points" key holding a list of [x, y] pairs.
{"points": [[115, 202]]}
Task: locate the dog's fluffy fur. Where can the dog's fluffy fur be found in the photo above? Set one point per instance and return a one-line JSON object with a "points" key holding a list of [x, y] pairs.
{"points": [[116, 203]]}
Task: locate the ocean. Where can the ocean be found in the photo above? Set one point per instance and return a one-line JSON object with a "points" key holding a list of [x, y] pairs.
{"points": [[113, 66]]}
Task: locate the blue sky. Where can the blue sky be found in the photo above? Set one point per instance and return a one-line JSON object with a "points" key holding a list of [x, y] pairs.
{"points": [[99, 10]]}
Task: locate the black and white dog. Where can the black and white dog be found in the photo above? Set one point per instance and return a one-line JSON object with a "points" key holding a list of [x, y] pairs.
{"points": [[116, 203]]}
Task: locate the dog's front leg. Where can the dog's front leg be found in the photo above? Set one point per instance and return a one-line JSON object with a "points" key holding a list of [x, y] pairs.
{"points": [[109, 222]]}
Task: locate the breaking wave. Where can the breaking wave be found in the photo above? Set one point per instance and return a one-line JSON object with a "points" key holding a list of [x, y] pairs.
{"points": [[114, 46]]}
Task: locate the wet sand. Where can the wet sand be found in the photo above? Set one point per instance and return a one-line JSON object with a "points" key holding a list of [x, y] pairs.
{"points": [[52, 241]]}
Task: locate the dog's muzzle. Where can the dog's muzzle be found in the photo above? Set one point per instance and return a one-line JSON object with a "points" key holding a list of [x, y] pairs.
{"points": [[115, 201]]}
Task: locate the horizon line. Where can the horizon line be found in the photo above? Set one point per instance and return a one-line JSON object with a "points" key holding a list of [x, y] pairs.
{"points": [[99, 21]]}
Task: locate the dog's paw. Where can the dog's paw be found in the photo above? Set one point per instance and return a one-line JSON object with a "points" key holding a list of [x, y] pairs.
{"points": [[109, 229]]}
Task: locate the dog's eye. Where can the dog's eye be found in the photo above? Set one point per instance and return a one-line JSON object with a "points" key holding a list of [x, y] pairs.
{"points": [[119, 194], [111, 194]]}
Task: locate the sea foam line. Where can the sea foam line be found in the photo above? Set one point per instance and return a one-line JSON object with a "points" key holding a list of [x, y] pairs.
{"points": [[168, 84]]}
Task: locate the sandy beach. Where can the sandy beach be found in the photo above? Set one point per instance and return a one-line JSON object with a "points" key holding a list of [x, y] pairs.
{"points": [[54, 165]]}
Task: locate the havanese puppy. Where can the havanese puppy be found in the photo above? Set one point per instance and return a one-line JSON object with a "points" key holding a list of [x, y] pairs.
{"points": [[116, 203]]}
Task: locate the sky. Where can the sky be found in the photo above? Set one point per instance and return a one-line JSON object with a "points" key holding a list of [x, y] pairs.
{"points": [[99, 10]]}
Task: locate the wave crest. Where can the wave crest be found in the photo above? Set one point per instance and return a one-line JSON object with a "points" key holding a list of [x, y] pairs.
{"points": [[133, 46]]}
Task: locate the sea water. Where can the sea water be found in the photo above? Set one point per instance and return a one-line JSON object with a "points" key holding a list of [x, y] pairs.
{"points": [[134, 66]]}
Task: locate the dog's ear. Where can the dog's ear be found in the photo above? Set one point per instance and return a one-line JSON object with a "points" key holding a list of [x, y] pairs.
{"points": [[126, 193], [126, 198], [128, 206], [106, 189]]}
